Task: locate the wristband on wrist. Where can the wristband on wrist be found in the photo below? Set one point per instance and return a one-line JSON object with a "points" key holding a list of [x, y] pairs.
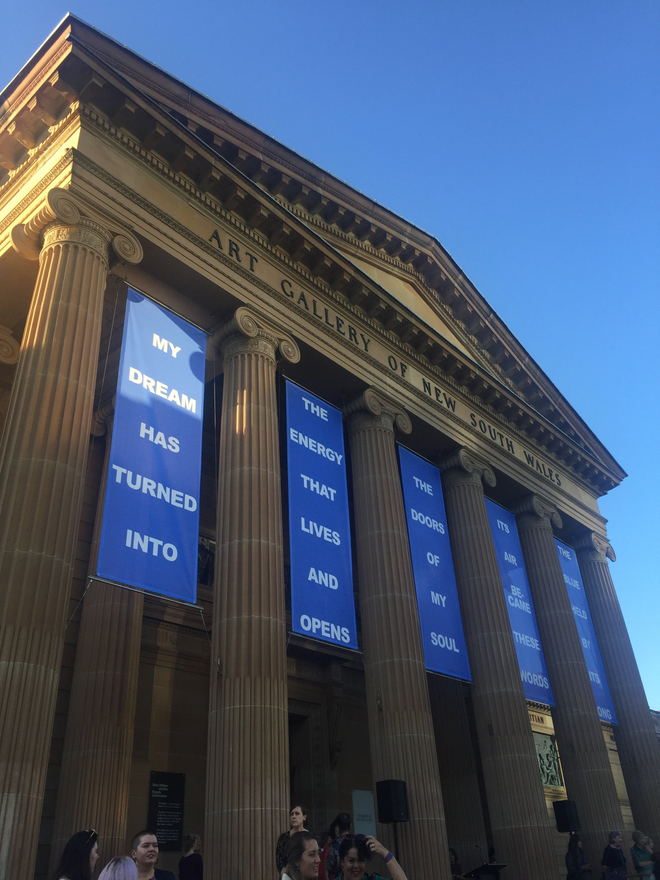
{"points": [[388, 857]]}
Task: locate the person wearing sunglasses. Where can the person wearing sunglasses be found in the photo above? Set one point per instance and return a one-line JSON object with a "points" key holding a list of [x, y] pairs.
{"points": [[80, 855], [354, 853]]}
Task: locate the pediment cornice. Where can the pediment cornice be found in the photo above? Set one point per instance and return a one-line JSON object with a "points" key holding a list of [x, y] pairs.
{"points": [[315, 232]]}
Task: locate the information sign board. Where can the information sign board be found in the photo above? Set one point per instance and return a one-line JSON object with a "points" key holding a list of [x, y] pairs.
{"points": [[166, 801]]}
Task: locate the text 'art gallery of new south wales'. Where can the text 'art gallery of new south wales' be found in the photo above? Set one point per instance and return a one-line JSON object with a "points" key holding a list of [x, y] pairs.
{"points": [[286, 511]]}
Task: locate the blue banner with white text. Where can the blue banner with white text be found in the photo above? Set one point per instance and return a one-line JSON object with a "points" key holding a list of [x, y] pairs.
{"points": [[531, 661], [322, 603], [433, 567], [573, 579], [149, 535]]}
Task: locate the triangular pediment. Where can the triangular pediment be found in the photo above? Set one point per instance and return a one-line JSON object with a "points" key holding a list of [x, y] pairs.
{"points": [[412, 296], [395, 272]]}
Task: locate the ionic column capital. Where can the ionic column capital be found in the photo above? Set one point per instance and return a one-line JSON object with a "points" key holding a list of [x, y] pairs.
{"points": [[62, 213], [595, 548], [10, 347], [463, 466], [374, 408], [247, 330], [535, 506]]}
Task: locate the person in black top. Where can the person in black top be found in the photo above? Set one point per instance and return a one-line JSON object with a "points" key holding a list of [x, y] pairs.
{"points": [[144, 851], [576, 861], [456, 867], [614, 861], [190, 863], [297, 820]]}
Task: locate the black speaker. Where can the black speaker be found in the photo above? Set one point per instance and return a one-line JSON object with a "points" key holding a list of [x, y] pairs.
{"points": [[566, 816], [392, 801]]}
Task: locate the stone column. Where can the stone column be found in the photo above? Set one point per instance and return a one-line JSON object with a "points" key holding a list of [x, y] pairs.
{"points": [[98, 745], [400, 722], [247, 787], [582, 749], [42, 468], [514, 792], [636, 739]]}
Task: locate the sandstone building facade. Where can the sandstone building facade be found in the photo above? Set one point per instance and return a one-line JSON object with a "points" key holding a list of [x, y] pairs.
{"points": [[113, 174]]}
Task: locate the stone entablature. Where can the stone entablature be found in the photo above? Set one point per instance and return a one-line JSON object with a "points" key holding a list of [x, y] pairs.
{"points": [[196, 162]]}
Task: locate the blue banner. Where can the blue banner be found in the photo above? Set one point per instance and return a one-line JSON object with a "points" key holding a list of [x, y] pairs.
{"points": [[531, 661], [150, 525], [433, 568], [322, 603], [573, 579]]}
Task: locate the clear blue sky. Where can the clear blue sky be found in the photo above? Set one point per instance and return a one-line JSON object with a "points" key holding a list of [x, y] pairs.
{"points": [[522, 133]]}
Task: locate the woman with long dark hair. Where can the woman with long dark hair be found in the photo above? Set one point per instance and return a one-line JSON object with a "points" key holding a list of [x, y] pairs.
{"points": [[329, 867], [576, 861], [456, 867], [302, 857], [80, 855]]}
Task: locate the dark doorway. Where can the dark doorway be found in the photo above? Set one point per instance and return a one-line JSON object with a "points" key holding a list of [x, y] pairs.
{"points": [[306, 761]]}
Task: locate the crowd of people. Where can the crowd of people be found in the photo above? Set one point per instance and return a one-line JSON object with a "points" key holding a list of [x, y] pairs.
{"points": [[645, 861], [81, 854], [337, 855]]}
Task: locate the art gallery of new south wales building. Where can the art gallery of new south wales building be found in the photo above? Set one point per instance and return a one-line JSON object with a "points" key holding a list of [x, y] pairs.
{"points": [[286, 511]]}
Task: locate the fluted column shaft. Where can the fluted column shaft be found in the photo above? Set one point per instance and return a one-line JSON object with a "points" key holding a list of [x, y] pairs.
{"points": [[42, 469], [636, 739], [247, 788], [514, 792], [582, 748], [98, 746], [400, 722]]}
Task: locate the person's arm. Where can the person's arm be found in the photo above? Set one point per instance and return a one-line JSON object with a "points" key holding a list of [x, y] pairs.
{"points": [[394, 867], [636, 858]]}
